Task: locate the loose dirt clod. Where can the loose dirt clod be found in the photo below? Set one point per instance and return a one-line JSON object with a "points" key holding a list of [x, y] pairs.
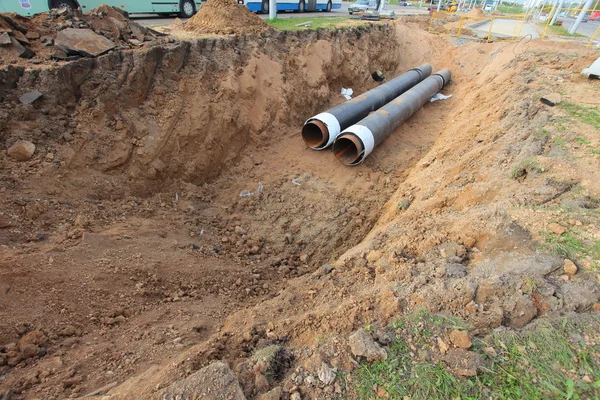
{"points": [[225, 17]]}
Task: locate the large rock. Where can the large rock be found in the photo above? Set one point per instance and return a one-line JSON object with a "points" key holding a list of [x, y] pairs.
{"points": [[214, 382], [21, 151], [83, 42], [363, 345]]}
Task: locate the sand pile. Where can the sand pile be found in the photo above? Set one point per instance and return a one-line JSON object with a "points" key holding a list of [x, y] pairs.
{"points": [[475, 12], [225, 17]]}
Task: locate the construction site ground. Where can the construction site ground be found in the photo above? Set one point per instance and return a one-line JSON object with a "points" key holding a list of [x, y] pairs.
{"points": [[171, 217]]}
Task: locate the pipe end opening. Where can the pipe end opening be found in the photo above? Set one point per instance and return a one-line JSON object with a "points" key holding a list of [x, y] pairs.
{"points": [[315, 133], [349, 150]]}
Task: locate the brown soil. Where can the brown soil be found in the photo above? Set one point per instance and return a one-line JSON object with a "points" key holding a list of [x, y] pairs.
{"points": [[42, 29], [225, 17], [137, 246], [475, 12]]}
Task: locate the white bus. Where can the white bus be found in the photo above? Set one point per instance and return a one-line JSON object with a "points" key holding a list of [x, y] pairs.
{"points": [[262, 6]]}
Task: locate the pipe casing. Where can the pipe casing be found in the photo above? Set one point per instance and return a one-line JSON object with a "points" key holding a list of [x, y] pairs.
{"points": [[320, 131], [367, 133]]}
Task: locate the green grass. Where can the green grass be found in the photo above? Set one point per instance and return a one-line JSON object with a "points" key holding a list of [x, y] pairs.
{"points": [[560, 31], [511, 9], [525, 167], [570, 245], [290, 24], [560, 142], [583, 114], [546, 362], [582, 141]]}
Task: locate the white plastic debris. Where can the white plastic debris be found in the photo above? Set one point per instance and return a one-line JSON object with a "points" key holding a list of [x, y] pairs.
{"points": [[439, 96], [295, 182], [248, 193], [593, 71], [347, 93]]}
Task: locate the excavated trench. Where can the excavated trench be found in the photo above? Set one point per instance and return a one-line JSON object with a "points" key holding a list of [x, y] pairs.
{"points": [[175, 181], [172, 214]]}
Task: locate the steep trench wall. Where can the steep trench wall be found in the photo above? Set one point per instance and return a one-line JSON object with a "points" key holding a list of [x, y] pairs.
{"points": [[135, 120]]}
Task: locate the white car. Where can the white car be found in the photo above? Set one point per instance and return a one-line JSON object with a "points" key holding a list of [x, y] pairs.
{"points": [[362, 5]]}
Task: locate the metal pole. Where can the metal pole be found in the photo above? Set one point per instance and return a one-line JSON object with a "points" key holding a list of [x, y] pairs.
{"points": [[439, 5], [584, 11], [358, 141], [272, 9], [553, 20], [320, 131], [554, 5]]}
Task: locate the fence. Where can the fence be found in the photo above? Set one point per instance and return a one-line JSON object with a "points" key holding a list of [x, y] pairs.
{"points": [[586, 33], [482, 28]]}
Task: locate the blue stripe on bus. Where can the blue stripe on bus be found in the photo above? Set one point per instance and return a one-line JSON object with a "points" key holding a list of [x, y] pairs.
{"points": [[256, 7]]}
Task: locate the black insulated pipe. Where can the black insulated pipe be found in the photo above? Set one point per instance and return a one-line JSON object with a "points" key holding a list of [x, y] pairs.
{"points": [[355, 143], [320, 131]]}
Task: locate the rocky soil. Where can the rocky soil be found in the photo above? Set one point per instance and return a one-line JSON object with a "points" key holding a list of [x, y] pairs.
{"points": [[170, 233]]}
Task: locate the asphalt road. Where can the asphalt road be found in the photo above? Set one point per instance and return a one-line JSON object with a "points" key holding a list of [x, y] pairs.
{"points": [[155, 20], [585, 28]]}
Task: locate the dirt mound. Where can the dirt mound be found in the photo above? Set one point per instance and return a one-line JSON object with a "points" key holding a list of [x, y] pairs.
{"points": [[39, 39], [475, 12], [225, 17]]}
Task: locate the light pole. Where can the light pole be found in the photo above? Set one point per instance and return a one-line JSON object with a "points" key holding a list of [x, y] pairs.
{"points": [[582, 14]]}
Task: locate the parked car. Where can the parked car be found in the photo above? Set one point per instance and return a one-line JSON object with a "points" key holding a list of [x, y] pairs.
{"points": [[362, 5], [404, 3]]}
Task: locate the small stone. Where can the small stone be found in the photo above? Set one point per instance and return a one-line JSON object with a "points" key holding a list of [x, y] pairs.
{"points": [[469, 241], [224, 239], [327, 374], [587, 379], [47, 41], [463, 362], [373, 256], [303, 258], [570, 267], [490, 352], [295, 396], [260, 382], [4, 39], [21, 151], [442, 345], [273, 394], [460, 339], [363, 345], [239, 230], [552, 99], [32, 35], [596, 307], [564, 277], [557, 228], [67, 137], [50, 156]]}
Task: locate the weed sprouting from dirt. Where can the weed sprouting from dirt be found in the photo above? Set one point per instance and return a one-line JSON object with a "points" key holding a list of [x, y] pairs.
{"points": [[569, 245], [548, 361], [526, 166], [583, 114]]}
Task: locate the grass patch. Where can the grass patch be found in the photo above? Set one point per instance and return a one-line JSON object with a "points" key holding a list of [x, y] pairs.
{"points": [[585, 115], [560, 31], [511, 9], [549, 361], [291, 24], [526, 166], [582, 141], [560, 142], [570, 245]]}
